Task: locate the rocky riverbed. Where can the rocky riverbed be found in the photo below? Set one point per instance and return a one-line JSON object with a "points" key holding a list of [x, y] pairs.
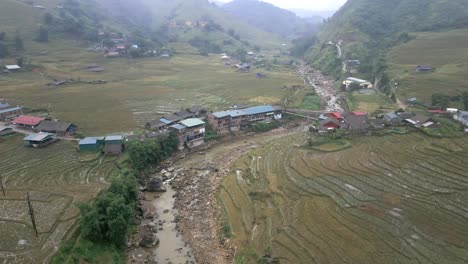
{"points": [[324, 86]]}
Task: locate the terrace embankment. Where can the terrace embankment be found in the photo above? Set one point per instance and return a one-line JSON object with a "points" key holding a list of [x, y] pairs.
{"points": [[399, 198]]}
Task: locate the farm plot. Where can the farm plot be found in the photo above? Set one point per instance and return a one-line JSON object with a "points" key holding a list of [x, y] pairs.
{"points": [[393, 199], [57, 178], [137, 90]]}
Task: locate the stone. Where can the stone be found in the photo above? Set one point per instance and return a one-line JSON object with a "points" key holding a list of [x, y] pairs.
{"points": [[171, 169], [156, 185], [149, 241]]}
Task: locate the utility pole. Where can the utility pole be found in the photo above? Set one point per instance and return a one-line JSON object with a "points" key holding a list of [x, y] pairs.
{"points": [[1, 185], [31, 213]]}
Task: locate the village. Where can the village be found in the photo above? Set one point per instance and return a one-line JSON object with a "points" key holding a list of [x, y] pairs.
{"points": [[192, 125]]}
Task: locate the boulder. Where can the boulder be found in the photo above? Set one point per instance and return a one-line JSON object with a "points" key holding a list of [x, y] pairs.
{"points": [[156, 185], [171, 169], [149, 240]]}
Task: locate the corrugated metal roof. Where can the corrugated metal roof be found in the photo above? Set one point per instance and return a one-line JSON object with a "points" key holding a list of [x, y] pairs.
{"points": [[28, 120], [259, 109], [192, 122], [178, 126], [88, 141], [232, 113], [4, 105], [2, 128], [165, 121], [37, 137], [10, 110], [114, 138], [12, 67]]}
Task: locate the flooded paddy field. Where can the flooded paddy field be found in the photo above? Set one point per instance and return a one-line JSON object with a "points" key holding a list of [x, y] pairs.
{"points": [[392, 199]]}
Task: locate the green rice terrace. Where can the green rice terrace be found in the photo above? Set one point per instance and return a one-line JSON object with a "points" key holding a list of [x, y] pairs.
{"points": [[57, 179], [392, 199]]}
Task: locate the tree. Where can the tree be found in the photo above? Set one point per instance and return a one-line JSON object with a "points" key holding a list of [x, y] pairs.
{"points": [[108, 43], [3, 50], [18, 43], [20, 61], [465, 100], [43, 35], [48, 18], [134, 53], [440, 100], [89, 224], [2, 36]]}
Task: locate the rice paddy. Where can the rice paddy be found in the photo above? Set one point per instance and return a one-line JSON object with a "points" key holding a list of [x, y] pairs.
{"points": [[391, 199], [57, 179]]}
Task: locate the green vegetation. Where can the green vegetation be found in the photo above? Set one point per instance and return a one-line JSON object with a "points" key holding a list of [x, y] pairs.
{"points": [[446, 128], [144, 156], [264, 127], [330, 145], [272, 19], [311, 101], [445, 52], [369, 103]]}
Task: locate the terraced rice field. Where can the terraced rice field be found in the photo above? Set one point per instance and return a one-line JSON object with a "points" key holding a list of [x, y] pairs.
{"points": [[57, 178], [393, 199]]}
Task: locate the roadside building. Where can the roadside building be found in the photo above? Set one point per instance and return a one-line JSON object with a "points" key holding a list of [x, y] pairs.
{"points": [[330, 123], [27, 122], [10, 113], [392, 119], [357, 122], [418, 119], [364, 84], [335, 115], [235, 120], [4, 106], [91, 144], [156, 125], [170, 119], [462, 117], [184, 114], [179, 130], [39, 140], [113, 145], [56, 127], [13, 67], [194, 131], [6, 131]]}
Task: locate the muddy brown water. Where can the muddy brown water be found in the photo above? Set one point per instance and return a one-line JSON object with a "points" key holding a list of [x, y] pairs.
{"points": [[171, 248]]}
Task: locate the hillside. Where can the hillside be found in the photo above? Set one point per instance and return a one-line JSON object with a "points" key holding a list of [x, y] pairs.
{"points": [[446, 52], [368, 28], [269, 17]]}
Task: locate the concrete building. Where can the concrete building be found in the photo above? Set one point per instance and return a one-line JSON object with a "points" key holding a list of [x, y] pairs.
{"points": [[6, 131], [364, 84], [235, 120], [56, 127], [194, 132], [10, 113]]}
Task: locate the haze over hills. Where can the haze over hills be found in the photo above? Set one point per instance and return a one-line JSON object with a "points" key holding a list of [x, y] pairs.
{"points": [[270, 18], [368, 28]]}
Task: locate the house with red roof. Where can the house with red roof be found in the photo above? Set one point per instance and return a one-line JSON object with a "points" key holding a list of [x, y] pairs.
{"points": [[27, 122], [335, 115]]}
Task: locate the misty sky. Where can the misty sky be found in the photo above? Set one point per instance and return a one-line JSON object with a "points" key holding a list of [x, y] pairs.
{"points": [[316, 5]]}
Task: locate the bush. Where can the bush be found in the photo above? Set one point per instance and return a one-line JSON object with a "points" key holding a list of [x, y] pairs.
{"points": [[264, 127]]}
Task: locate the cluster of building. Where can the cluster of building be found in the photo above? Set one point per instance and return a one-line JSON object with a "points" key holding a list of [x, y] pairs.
{"points": [[111, 145], [8, 112], [237, 119], [360, 122]]}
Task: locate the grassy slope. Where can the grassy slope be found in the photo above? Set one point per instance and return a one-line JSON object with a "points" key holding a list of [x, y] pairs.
{"points": [[447, 51]]}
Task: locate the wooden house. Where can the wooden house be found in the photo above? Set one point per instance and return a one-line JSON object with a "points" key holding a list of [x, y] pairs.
{"points": [[56, 127], [10, 113], [39, 140], [6, 130], [91, 144], [113, 145], [27, 122]]}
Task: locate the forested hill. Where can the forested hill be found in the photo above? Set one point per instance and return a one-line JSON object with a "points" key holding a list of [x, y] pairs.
{"points": [[376, 18], [368, 28], [269, 17]]}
